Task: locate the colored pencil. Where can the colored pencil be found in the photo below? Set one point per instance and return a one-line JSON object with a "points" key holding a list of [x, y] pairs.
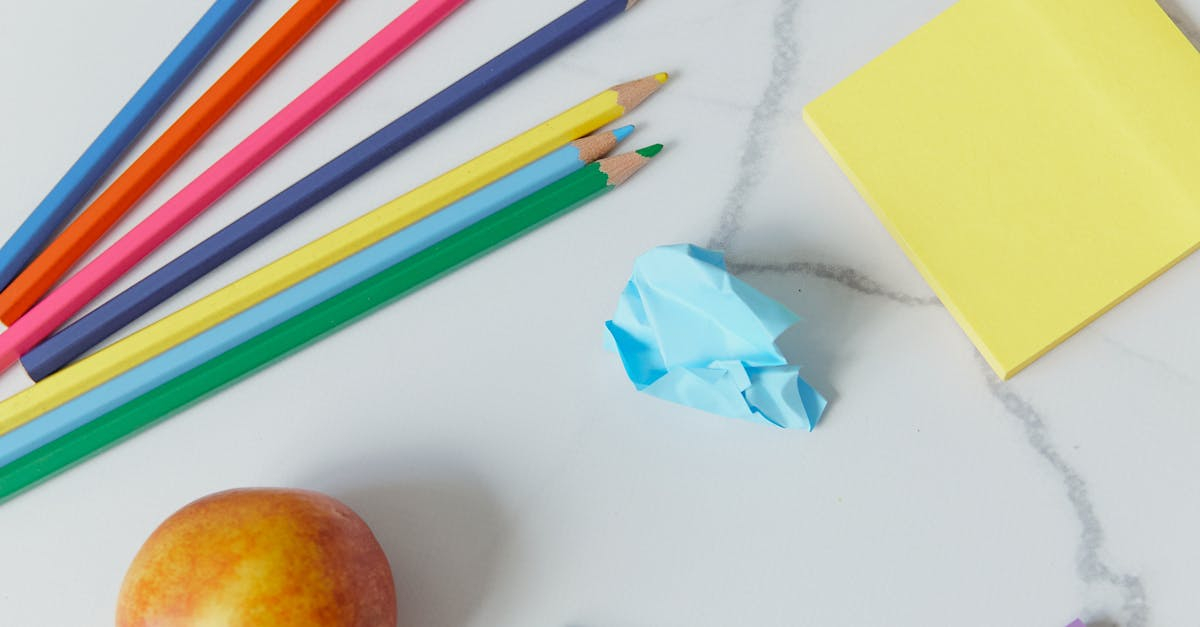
{"points": [[81, 336], [57, 207], [53, 262], [226, 173], [369, 229], [292, 335], [306, 295]]}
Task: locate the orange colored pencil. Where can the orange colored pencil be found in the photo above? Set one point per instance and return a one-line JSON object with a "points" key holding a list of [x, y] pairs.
{"points": [[160, 157]]}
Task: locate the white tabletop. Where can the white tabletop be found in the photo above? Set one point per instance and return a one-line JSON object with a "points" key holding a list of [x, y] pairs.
{"points": [[507, 465]]}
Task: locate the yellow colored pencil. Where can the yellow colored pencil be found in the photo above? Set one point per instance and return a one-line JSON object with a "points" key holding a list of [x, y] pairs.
{"points": [[322, 253]]}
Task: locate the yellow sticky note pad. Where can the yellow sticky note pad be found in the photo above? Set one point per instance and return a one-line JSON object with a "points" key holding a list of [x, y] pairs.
{"points": [[1038, 160]]}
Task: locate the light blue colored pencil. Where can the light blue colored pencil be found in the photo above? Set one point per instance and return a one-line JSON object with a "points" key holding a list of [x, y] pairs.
{"points": [[305, 295], [58, 206]]}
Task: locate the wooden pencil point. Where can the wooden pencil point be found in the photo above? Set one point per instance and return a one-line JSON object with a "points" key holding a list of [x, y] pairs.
{"points": [[622, 167], [595, 146], [634, 93], [312, 258], [630, 5], [79, 338]]}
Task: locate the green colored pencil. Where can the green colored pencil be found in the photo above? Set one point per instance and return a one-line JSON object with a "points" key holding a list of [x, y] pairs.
{"points": [[323, 319]]}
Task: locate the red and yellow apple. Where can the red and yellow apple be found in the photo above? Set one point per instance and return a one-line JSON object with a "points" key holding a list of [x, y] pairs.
{"points": [[262, 558]]}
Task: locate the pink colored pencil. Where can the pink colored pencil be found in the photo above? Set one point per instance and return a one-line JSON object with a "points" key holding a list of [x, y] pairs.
{"points": [[58, 307]]}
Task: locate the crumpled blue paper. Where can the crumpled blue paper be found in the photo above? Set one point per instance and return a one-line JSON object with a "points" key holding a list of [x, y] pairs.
{"points": [[691, 333]]}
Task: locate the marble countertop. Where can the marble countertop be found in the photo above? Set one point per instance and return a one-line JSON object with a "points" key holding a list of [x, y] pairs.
{"points": [[509, 469]]}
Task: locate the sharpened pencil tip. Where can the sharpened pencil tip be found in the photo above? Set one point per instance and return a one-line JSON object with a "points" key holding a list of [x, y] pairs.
{"points": [[621, 167], [623, 132], [650, 151], [595, 145], [630, 5], [662, 77], [634, 93]]}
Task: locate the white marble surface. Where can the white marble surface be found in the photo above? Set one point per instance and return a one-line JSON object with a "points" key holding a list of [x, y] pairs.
{"points": [[498, 451]]}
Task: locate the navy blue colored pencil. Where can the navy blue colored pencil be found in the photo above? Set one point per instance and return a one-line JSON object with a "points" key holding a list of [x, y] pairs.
{"points": [[76, 339]]}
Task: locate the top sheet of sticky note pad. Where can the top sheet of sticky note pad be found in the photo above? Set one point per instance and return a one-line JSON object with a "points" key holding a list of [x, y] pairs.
{"points": [[1038, 160]]}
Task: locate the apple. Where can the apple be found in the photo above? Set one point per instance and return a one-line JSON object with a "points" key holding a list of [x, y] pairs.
{"points": [[261, 557]]}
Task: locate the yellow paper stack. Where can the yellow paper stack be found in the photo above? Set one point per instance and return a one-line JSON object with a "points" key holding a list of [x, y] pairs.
{"points": [[1038, 160]]}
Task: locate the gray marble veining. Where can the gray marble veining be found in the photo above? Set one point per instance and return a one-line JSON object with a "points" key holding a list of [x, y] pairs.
{"points": [[759, 134], [933, 495], [846, 276], [1093, 570], [1116, 598]]}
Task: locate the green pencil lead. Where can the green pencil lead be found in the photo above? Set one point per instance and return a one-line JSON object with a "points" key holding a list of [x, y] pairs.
{"points": [[650, 151]]}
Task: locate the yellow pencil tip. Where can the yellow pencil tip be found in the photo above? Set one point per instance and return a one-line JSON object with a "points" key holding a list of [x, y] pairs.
{"points": [[633, 93]]}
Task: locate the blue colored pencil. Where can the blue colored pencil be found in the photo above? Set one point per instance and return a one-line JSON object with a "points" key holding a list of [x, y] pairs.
{"points": [[58, 206], [76, 339], [305, 295]]}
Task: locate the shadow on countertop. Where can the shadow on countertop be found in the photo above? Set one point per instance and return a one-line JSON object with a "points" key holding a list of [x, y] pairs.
{"points": [[443, 534], [1189, 26]]}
